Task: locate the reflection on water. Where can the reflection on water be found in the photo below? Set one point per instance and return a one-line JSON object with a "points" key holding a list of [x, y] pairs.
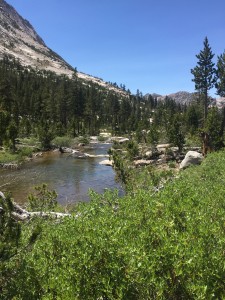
{"points": [[70, 177]]}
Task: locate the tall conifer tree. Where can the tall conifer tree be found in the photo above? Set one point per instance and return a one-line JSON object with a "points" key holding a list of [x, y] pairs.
{"points": [[220, 85], [204, 73]]}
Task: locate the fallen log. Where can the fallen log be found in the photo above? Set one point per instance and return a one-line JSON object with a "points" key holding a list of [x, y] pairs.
{"points": [[20, 214]]}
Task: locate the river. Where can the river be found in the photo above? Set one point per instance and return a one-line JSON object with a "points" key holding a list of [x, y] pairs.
{"points": [[70, 177]]}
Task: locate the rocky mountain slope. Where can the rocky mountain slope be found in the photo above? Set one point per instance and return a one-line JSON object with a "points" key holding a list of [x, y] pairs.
{"points": [[180, 97], [19, 39], [183, 97]]}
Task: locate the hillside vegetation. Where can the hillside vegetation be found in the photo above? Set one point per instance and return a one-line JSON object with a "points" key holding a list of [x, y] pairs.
{"points": [[164, 245], [157, 242]]}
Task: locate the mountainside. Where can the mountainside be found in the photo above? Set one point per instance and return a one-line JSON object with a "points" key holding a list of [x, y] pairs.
{"points": [[19, 39], [181, 97]]}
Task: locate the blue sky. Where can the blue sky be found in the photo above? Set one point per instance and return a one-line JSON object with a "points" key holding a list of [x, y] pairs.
{"points": [[148, 45]]}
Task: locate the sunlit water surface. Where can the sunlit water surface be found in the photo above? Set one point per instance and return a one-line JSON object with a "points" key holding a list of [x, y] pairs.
{"points": [[72, 178]]}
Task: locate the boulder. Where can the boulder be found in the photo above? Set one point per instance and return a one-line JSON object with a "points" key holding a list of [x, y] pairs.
{"points": [[191, 158], [66, 150], [120, 139], [143, 162], [38, 154], [105, 134], [106, 162], [162, 148], [124, 140], [148, 154]]}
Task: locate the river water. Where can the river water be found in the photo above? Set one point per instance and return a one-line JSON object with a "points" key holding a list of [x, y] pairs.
{"points": [[71, 177]]}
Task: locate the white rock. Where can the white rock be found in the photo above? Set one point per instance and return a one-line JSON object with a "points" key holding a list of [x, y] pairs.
{"points": [[148, 153], [191, 158], [106, 162], [162, 148], [124, 140], [143, 162]]}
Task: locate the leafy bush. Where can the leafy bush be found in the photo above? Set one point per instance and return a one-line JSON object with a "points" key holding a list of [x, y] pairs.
{"points": [[9, 239], [31, 141], [146, 245], [132, 149], [25, 152], [172, 164], [84, 139], [43, 199], [102, 138], [62, 141], [6, 157], [117, 146]]}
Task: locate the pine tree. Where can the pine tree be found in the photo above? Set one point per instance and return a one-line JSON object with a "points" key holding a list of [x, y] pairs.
{"points": [[192, 118], [214, 129], [175, 133], [204, 73], [12, 134], [4, 122], [220, 85]]}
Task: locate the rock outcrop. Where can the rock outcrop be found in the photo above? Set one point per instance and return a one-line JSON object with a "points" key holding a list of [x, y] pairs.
{"points": [[106, 162], [191, 158]]}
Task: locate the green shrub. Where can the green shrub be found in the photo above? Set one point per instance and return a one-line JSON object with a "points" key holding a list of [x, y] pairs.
{"points": [[7, 157], [62, 141], [10, 231], [102, 138], [132, 149], [84, 139], [43, 199], [25, 152], [172, 164], [145, 245]]}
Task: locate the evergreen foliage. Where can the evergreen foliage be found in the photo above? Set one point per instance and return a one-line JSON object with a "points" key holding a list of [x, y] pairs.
{"points": [[176, 136], [44, 105], [47, 105], [214, 127], [220, 85], [204, 73]]}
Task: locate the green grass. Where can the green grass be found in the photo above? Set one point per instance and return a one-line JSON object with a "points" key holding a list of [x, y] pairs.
{"points": [[146, 245], [7, 157], [17, 157]]}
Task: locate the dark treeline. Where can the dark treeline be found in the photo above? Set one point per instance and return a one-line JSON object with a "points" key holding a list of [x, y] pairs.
{"points": [[47, 105]]}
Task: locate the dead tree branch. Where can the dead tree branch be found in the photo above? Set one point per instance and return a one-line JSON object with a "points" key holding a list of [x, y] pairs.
{"points": [[20, 214]]}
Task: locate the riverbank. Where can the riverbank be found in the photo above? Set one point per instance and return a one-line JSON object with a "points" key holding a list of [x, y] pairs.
{"points": [[29, 148], [149, 167], [71, 176], [163, 245]]}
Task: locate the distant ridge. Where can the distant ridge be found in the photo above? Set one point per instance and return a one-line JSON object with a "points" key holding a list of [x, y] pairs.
{"points": [[181, 97]]}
